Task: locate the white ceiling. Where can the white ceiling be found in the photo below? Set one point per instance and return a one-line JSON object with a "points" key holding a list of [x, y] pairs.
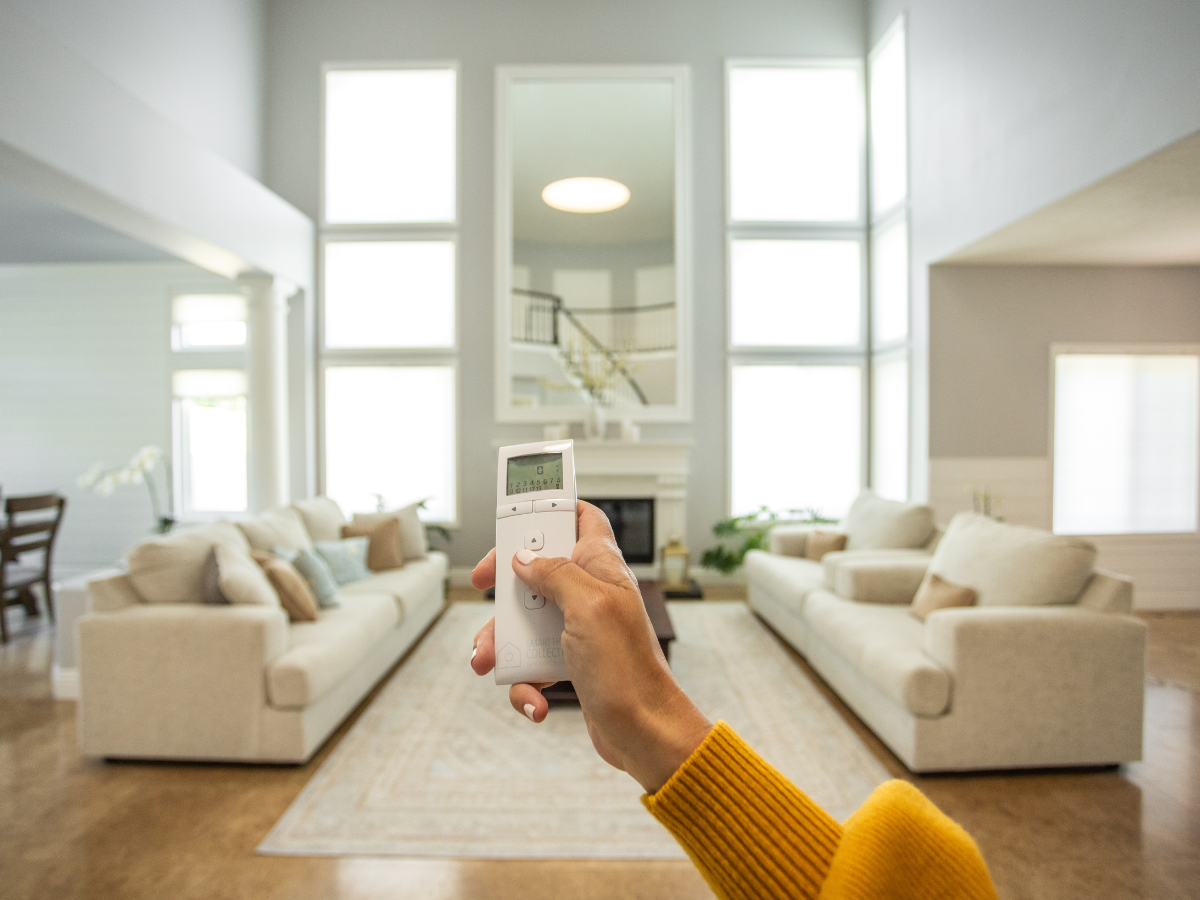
{"points": [[1147, 214], [34, 231], [624, 130]]}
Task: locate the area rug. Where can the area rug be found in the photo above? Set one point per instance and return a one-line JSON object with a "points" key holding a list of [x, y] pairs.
{"points": [[441, 765]]}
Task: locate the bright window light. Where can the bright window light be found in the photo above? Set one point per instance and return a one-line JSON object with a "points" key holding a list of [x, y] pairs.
{"points": [[796, 293], [210, 421], [794, 144], [390, 430], [585, 195], [1125, 443], [889, 282], [889, 123], [208, 320], [389, 294], [797, 433], [889, 432], [390, 144]]}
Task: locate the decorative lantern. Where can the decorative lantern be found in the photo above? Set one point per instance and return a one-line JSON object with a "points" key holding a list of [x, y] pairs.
{"points": [[674, 565]]}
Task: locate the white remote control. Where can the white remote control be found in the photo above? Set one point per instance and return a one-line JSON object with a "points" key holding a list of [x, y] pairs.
{"points": [[535, 510]]}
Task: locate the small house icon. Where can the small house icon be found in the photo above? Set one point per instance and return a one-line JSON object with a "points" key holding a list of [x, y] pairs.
{"points": [[508, 657]]}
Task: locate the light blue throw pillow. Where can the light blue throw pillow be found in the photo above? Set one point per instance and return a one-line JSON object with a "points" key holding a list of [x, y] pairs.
{"points": [[347, 558], [315, 571]]}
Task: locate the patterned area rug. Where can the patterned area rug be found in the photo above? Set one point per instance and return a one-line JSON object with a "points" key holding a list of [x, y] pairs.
{"points": [[440, 764]]}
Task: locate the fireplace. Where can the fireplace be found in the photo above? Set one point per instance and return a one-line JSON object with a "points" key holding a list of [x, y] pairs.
{"points": [[632, 520]]}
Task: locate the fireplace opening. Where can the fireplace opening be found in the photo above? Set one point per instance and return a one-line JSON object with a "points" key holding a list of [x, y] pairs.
{"points": [[632, 520]]}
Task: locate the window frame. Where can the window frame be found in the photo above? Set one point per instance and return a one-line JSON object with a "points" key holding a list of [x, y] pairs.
{"points": [[1180, 348], [388, 357], [857, 354]]}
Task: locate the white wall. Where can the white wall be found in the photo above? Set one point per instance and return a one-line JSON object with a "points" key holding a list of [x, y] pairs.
{"points": [[301, 34], [1017, 104], [990, 336], [85, 378], [197, 63]]}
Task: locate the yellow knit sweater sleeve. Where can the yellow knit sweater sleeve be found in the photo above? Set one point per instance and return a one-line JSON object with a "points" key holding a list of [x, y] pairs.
{"points": [[754, 834]]}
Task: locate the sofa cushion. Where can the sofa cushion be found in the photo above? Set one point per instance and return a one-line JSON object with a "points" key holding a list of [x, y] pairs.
{"points": [[322, 517], [1011, 565], [886, 645], [406, 586], [788, 579], [876, 576], [280, 527], [322, 653], [171, 569], [877, 524], [241, 579]]}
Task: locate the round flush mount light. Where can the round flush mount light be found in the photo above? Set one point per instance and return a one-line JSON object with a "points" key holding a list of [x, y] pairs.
{"points": [[586, 195]]}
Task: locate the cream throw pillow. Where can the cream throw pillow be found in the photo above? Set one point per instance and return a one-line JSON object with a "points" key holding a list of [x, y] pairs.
{"points": [[170, 569], [323, 519], [877, 524], [936, 593], [413, 541], [280, 527], [1011, 565], [242, 580]]}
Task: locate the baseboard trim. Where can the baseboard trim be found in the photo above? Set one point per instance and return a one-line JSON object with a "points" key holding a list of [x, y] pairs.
{"points": [[64, 683]]}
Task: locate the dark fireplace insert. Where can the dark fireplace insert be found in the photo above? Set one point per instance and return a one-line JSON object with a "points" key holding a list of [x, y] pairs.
{"points": [[632, 520]]}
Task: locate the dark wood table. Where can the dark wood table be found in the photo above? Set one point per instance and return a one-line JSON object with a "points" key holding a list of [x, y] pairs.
{"points": [[656, 609]]}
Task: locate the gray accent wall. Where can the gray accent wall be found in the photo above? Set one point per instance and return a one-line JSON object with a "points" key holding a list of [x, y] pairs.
{"points": [[301, 34]]}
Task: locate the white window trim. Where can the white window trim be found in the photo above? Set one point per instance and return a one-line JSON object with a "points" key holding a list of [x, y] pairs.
{"points": [[395, 231], [1110, 349], [902, 205]]}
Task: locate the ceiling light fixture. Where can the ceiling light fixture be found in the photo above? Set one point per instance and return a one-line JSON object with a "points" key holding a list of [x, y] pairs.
{"points": [[586, 195]]}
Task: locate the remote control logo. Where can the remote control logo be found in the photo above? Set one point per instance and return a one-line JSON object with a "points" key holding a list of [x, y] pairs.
{"points": [[508, 657]]}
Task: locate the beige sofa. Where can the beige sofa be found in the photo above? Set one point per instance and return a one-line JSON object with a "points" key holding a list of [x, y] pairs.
{"points": [[1047, 669], [165, 677]]}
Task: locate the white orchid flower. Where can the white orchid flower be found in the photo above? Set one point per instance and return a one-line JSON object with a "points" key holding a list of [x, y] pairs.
{"points": [[88, 478], [106, 485]]}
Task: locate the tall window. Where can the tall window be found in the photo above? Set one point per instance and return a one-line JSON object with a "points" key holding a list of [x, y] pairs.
{"points": [[208, 389], [389, 288], [1126, 438], [797, 291], [890, 291]]}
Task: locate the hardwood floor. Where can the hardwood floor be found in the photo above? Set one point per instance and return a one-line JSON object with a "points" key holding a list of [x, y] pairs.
{"points": [[73, 828]]}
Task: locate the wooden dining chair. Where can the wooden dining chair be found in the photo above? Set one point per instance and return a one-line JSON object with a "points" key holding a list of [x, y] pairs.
{"points": [[31, 528]]}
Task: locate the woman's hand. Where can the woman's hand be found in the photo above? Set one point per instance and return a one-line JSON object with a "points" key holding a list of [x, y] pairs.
{"points": [[638, 717]]}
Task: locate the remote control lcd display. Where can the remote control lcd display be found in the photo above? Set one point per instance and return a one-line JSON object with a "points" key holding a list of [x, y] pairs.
{"points": [[535, 472]]}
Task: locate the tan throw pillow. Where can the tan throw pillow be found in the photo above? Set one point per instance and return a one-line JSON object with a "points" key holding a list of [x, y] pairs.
{"points": [[241, 579], [295, 596], [413, 540], [383, 550], [821, 542], [281, 527], [322, 517], [936, 593]]}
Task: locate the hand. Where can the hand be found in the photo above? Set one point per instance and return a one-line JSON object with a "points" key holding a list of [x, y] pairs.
{"points": [[638, 717]]}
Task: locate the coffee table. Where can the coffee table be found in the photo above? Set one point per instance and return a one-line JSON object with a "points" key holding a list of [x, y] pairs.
{"points": [[656, 609]]}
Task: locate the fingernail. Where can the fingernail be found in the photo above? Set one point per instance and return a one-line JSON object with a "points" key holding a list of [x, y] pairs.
{"points": [[527, 556], [529, 711], [473, 652]]}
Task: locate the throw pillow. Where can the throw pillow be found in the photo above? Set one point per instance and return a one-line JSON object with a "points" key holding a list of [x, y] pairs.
{"points": [[212, 580], [384, 550], [281, 527], [413, 540], [241, 580], [171, 569], [936, 593], [315, 571], [821, 542], [322, 518], [874, 523], [347, 558], [295, 596]]}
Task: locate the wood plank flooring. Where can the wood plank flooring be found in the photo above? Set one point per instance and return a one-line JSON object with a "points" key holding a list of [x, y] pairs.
{"points": [[73, 828]]}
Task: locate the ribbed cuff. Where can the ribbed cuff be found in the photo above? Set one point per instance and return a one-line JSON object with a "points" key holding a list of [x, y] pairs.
{"points": [[750, 831]]}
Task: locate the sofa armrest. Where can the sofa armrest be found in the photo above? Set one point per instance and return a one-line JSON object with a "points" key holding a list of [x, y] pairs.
{"points": [[874, 579], [1051, 676], [789, 540], [176, 680]]}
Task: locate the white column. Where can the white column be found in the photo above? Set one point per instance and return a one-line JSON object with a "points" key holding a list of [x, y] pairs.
{"points": [[266, 364]]}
